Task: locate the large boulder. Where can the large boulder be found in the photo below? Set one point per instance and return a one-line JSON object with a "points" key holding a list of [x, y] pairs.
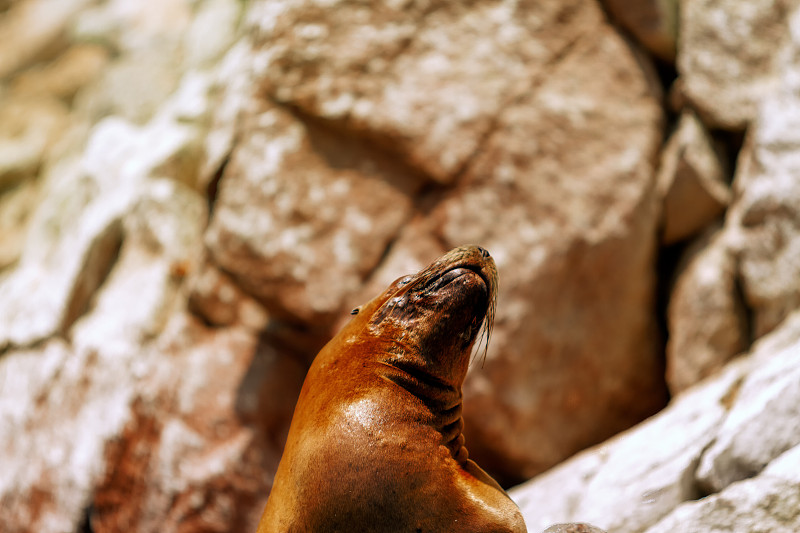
{"points": [[680, 470], [706, 316]]}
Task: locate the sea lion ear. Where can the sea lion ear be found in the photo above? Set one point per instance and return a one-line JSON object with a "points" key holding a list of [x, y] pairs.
{"points": [[355, 311]]}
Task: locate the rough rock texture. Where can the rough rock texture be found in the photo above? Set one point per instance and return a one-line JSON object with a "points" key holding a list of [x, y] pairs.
{"points": [[573, 528], [707, 319], [691, 180], [629, 482], [729, 56], [762, 423], [767, 502], [701, 444], [766, 235], [335, 208], [194, 193]]}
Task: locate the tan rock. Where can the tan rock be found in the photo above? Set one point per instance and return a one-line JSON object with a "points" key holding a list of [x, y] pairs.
{"points": [[132, 87], [219, 301], [33, 30], [76, 67], [16, 206], [303, 215], [198, 453], [728, 56], [211, 32], [691, 180], [76, 231], [73, 239], [148, 37], [426, 79], [722, 455], [654, 23], [706, 317], [568, 213], [29, 126]]}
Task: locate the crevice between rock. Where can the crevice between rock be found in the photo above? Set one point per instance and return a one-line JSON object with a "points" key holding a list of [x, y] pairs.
{"points": [[212, 189], [85, 525], [98, 263]]}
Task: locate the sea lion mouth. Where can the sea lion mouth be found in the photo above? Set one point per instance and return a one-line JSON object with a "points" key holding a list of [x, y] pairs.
{"points": [[441, 280]]}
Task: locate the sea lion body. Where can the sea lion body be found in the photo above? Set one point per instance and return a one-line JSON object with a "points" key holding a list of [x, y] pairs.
{"points": [[375, 443]]}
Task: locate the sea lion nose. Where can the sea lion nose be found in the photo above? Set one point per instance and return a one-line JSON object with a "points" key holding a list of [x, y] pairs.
{"points": [[484, 252]]}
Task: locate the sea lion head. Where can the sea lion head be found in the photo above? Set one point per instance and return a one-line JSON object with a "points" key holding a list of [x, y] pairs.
{"points": [[430, 321]]}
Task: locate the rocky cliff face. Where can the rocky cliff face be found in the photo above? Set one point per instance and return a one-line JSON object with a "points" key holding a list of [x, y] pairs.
{"points": [[193, 193]]}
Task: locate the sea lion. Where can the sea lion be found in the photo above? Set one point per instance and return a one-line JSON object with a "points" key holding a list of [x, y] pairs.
{"points": [[375, 443]]}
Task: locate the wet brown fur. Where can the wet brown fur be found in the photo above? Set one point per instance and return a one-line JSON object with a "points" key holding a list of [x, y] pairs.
{"points": [[376, 440]]}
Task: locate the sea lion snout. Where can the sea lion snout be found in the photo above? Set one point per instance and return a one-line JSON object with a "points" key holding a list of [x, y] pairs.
{"points": [[459, 288]]}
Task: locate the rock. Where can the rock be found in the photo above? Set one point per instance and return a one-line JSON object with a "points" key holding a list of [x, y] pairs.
{"points": [[76, 232], [211, 33], [29, 126], [148, 37], [194, 455], [691, 181], [764, 231], [33, 30], [131, 28], [78, 66], [303, 215], [132, 87], [573, 528], [764, 420], [706, 317], [646, 478], [72, 244], [219, 301], [231, 86], [162, 243], [59, 408], [544, 210], [639, 476], [728, 56], [768, 502], [654, 23], [425, 79], [16, 206]]}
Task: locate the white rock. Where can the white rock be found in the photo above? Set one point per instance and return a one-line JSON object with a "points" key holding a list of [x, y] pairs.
{"points": [[768, 502], [763, 422], [763, 220], [634, 479], [727, 56]]}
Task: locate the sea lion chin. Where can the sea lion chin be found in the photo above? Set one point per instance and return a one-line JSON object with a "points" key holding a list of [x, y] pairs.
{"points": [[376, 439]]}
